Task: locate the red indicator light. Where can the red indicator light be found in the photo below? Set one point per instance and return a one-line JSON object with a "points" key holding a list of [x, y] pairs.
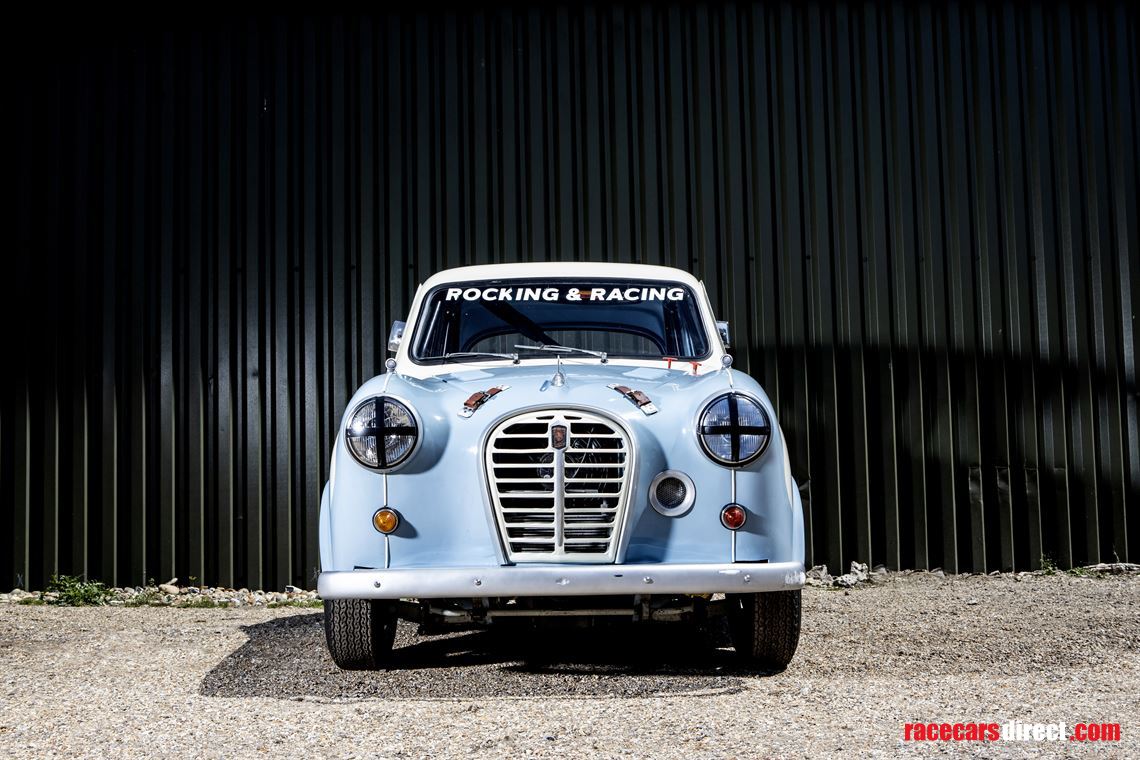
{"points": [[733, 517]]}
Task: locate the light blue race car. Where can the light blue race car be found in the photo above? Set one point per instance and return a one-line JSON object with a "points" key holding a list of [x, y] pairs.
{"points": [[560, 441]]}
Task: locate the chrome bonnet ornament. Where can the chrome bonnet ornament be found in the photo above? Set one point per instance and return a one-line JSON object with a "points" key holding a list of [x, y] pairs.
{"points": [[559, 378]]}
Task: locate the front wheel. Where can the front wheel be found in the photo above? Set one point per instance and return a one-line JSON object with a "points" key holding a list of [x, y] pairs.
{"points": [[765, 627], [360, 632]]}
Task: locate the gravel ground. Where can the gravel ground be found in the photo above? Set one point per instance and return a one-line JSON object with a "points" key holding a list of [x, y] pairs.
{"points": [[118, 681]]}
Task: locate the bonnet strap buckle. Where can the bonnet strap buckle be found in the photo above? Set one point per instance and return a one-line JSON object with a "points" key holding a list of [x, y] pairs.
{"points": [[638, 398], [477, 399]]}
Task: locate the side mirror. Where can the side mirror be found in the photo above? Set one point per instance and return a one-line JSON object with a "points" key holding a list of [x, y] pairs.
{"points": [[722, 328], [395, 335]]}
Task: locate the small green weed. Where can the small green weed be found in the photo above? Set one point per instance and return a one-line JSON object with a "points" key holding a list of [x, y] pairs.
{"points": [[76, 592], [145, 599], [201, 603], [1084, 572], [1047, 566], [304, 603], [31, 600]]}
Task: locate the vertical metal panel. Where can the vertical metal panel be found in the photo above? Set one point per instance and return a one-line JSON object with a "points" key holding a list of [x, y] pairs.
{"points": [[922, 222]]}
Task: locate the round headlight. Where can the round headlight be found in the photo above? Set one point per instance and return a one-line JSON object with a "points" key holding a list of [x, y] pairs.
{"points": [[734, 430], [381, 433]]}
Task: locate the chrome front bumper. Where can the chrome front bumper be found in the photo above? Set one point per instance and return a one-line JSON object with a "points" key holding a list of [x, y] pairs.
{"points": [[560, 580]]}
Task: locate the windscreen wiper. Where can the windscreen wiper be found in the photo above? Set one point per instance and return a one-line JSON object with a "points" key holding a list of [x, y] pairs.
{"points": [[457, 354], [565, 350]]}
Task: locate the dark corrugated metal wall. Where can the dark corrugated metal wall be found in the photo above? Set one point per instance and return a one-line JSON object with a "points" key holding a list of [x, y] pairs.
{"points": [[921, 222]]}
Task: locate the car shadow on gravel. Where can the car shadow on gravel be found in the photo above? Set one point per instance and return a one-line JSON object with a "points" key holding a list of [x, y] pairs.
{"points": [[286, 658]]}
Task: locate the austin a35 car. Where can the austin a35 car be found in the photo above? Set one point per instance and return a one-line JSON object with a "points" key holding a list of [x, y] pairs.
{"points": [[563, 441]]}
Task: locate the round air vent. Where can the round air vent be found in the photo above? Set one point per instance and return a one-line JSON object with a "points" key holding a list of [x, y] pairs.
{"points": [[672, 493]]}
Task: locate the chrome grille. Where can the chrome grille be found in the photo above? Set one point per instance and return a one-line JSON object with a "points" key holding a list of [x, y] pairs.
{"points": [[559, 504]]}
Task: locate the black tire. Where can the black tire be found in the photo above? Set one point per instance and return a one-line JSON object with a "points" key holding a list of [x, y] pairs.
{"points": [[360, 632], [765, 627]]}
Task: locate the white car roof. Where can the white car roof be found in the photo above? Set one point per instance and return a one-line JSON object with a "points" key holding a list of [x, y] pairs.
{"points": [[584, 269]]}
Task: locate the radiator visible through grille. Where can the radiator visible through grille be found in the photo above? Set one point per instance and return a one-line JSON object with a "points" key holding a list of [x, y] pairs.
{"points": [[559, 485]]}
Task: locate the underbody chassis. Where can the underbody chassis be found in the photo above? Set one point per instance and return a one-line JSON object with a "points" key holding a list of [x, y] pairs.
{"points": [[443, 615]]}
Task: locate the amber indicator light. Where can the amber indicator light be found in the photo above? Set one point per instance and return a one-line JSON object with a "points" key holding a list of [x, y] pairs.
{"points": [[385, 521]]}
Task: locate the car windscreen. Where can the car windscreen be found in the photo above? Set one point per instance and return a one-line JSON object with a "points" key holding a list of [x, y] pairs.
{"points": [[641, 319]]}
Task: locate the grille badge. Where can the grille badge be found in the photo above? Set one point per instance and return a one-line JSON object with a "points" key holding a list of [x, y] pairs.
{"points": [[558, 436]]}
